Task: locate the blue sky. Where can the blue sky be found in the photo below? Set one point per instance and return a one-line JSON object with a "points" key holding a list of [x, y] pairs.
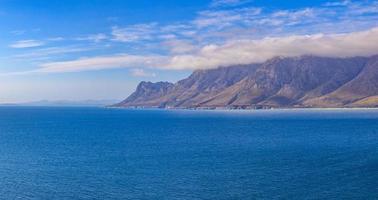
{"points": [[101, 49]]}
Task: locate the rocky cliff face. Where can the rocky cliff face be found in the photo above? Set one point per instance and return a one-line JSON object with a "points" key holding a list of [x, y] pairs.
{"points": [[147, 94], [306, 81]]}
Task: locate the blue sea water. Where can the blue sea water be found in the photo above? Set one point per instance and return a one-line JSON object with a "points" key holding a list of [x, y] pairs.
{"points": [[99, 153]]}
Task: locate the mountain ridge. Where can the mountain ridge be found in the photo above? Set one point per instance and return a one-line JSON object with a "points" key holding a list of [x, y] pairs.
{"points": [[281, 82]]}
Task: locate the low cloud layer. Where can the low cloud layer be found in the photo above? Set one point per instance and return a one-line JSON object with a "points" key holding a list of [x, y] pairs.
{"points": [[363, 43], [26, 44], [100, 63], [227, 32]]}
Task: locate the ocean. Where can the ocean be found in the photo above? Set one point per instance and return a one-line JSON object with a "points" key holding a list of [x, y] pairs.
{"points": [[101, 153]]}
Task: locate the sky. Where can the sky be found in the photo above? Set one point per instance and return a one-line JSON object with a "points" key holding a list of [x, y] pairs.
{"points": [[101, 49]]}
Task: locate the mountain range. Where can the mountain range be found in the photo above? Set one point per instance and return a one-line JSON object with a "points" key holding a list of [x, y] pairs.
{"points": [[281, 82]]}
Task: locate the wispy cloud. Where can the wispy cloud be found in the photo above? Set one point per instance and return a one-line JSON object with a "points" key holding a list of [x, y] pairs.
{"points": [[26, 44], [134, 33], [255, 51], [221, 36], [362, 43], [338, 3], [224, 18], [142, 73], [18, 32], [55, 39], [179, 46], [94, 38], [222, 25], [101, 62], [44, 52], [220, 3]]}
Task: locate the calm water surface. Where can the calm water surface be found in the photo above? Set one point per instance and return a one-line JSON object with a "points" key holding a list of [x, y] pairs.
{"points": [[96, 153]]}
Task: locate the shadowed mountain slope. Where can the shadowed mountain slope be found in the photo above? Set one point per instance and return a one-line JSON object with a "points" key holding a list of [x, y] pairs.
{"points": [[305, 81]]}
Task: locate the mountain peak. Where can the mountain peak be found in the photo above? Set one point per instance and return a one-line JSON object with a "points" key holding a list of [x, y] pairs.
{"points": [[303, 81]]}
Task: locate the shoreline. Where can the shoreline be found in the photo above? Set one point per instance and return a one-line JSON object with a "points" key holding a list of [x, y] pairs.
{"points": [[201, 109], [228, 109]]}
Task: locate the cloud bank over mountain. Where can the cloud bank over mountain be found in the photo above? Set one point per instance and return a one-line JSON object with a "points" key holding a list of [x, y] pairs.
{"points": [[304, 81], [226, 32], [363, 43]]}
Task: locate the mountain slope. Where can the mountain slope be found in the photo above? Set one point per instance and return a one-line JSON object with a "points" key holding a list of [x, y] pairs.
{"points": [[306, 81], [204, 84], [147, 94], [353, 93]]}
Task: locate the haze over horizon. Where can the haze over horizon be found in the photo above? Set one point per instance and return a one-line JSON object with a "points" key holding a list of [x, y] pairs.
{"points": [[78, 50]]}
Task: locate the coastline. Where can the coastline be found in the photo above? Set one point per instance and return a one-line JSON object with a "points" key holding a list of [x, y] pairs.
{"points": [[228, 109], [203, 109]]}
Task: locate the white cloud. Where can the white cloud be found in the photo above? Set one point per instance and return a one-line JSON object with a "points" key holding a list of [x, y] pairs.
{"points": [[134, 33], [26, 44], [295, 15], [101, 62], [179, 46], [43, 52], [175, 27], [217, 25], [337, 3], [168, 36], [224, 18], [220, 3], [94, 38], [363, 9], [55, 39], [223, 36], [362, 43], [141, 73], [328, 18]]}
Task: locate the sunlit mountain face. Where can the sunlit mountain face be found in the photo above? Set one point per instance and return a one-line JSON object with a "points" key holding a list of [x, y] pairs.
{"points": [[293, 82]]}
